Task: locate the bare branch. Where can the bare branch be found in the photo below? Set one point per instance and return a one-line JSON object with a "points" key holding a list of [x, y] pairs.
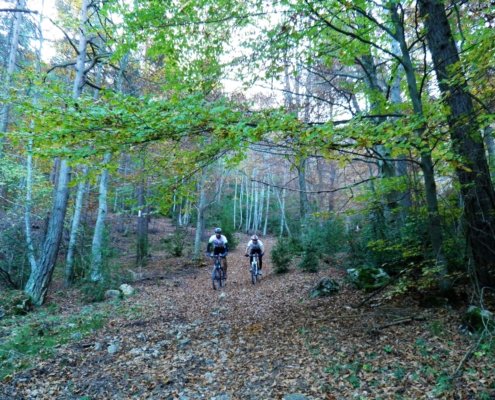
{"points": [[348, 187], [19, 10]]}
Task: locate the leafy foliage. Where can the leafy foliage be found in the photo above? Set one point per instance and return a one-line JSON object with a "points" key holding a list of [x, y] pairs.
{"points": [[281, 256]]}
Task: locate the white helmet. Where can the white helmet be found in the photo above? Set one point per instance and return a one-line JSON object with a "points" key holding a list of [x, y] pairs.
{"points": [[254, 237]]}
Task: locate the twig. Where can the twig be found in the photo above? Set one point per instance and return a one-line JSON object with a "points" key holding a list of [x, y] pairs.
{"points": [[399, 322], [457, 373]]}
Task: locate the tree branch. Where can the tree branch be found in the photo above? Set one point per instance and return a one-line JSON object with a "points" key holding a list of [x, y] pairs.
{"points": [[19, 10]]}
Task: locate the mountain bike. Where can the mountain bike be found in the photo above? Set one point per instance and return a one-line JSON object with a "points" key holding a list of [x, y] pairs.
{"points": [[217, 273], [254, 269]]}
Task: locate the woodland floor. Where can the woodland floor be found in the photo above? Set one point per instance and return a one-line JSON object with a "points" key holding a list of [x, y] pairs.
{"points": [[180, 339]]}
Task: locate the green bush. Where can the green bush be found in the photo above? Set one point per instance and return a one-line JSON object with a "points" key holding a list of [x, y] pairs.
{"points": [[310, 261], [281, 257], [176, 242], [327, 237]]}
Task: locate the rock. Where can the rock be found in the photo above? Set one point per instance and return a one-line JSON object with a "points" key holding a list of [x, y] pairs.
{"points": [[294, 396], [184, 342], [127, 290], [223, 396], [209, 377], [76, 336], [112, 294], [479, 319], [325, 287], [368, 277], [222, 296], [98, 346], [113, 348]]}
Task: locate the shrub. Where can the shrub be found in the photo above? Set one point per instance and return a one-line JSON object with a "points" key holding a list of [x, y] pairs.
{"points": [[310, 261], [281, 257], [176, 243]]}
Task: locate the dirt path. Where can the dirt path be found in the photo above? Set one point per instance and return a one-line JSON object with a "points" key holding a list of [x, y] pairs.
{"points": [[182, 340]]}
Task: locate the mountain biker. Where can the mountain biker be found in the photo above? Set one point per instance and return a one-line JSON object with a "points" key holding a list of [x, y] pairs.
{"points": [[218, 245], [255, 246]]}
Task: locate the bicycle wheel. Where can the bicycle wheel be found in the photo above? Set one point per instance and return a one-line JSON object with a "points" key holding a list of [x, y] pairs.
{"points": [[216, 278], [254, 272]]}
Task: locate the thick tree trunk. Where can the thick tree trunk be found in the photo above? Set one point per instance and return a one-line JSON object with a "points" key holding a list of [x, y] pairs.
{"points": [[200, 221], [97, 243], [40, 278], [75, 227], [474, 176]]}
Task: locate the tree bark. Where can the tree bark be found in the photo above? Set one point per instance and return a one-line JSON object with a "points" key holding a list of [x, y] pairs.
{"points": [[200, 221], [426, 161], [142, 226], [474, 176], [11, 65], [40, 277], [74, 232], [97, 243]]}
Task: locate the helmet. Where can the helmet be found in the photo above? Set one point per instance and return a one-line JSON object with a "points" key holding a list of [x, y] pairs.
{"points": [[218, 230], [254, 237]]}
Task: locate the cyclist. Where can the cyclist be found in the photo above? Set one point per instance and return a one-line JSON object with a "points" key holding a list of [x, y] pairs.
{"points": [[217, 244], [255, 246]]}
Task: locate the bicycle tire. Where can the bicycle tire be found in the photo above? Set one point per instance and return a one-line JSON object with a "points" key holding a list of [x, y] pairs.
{"points": [[216, 278], [254, 273]]}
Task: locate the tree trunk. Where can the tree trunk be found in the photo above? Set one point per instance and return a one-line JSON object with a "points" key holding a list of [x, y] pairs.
{"points": [[142, 226], [200, 221], [11, 65], [490, 146], [426, 163], [40, 278], [265, 226], [474, 176], [97, 243], [74, 232], [303, 196]]}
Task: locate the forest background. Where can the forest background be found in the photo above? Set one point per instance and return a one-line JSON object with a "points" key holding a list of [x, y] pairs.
{"points": [[359, 133]]}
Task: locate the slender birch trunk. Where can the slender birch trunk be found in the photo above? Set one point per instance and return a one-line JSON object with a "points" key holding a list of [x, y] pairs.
{"points": [[265, 227], [235, 202], [241, 194], [11, 66]]}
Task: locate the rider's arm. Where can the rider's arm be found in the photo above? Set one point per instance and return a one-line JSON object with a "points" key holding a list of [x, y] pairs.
{"points": [[248, 247]]}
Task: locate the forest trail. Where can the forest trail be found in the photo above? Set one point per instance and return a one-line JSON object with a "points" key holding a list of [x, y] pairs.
{"points": [[180, 339]]}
